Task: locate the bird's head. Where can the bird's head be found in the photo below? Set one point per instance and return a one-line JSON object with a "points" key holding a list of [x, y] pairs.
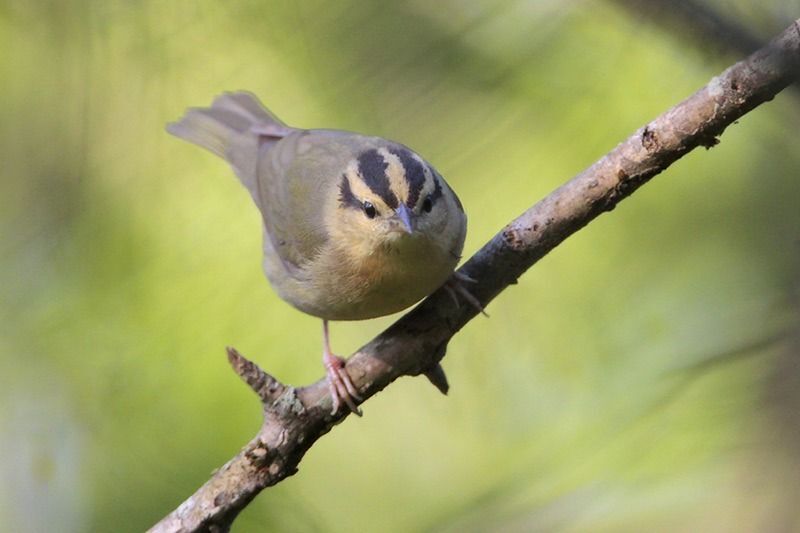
{"points": [[390, 198]]}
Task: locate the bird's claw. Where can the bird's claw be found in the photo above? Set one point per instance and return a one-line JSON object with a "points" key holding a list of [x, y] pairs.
{"points": [[460, 276], [455, 288], [340, 385]]}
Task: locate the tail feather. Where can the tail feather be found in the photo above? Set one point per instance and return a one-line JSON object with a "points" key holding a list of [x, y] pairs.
{"points": [[216, 128], [246, 105], [232, 128], [211, 129]]}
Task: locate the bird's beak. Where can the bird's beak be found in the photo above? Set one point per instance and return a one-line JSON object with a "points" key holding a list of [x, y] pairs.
{"points": [[406, 217]]}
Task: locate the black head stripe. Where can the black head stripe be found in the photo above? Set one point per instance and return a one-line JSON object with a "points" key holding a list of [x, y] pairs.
{"points": [[414, 174], [372, 168], [346, 196]]}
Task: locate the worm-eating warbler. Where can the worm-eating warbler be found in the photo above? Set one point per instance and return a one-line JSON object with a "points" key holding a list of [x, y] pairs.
{"points": [[355, 227]]}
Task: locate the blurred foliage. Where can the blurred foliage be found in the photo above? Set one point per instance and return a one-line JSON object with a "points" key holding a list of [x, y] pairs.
{"points": [[639, 377]]}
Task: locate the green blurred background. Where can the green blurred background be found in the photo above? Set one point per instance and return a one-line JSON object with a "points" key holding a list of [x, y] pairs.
{"points": [[644, 375]]}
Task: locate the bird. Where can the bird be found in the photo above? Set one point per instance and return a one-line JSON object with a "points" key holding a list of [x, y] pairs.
{"points": [[354, 226]]}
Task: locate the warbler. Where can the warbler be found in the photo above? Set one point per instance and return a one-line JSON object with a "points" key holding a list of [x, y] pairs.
{"points": [[355, 227]]}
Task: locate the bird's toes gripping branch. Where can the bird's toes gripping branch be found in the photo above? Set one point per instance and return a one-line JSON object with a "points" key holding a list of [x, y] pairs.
{"points": [[340, 385], [455, 287]]}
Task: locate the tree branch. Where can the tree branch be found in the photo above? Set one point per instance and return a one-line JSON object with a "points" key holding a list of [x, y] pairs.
{"points": [[295, 418]]}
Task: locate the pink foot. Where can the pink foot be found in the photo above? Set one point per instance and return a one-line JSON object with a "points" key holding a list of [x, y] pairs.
{"points": [[455, 287], [339, 383]]}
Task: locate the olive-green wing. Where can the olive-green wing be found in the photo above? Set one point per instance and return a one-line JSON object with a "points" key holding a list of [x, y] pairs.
{"points": [[297, 179]]}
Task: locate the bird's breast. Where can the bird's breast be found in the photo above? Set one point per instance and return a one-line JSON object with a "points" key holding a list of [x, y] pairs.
{"points": [[344, 286]]}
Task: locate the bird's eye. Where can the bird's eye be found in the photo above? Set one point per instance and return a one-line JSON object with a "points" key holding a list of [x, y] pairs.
{"points": [[370, 210], [427, 205]]}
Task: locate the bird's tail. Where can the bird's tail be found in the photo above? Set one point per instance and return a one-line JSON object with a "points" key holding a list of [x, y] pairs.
{"points": [[220, 127], [237, 128]]}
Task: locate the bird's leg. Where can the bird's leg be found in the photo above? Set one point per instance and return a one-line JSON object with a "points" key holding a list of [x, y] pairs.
{"points": [[455, 288], [339, 383]]}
